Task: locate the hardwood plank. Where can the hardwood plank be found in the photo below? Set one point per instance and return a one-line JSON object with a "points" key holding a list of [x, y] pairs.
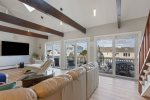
{"points": [[21, 32], [46, 8], [116, 89], [21, 22]]}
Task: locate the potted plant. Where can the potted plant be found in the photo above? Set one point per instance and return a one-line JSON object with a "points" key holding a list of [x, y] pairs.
{"points": [[35, 55]]}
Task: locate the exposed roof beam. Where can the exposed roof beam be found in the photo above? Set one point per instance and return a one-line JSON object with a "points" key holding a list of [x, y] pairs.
{"points": [[118, 8], [21, 22], [21, 32], [46, 8]]}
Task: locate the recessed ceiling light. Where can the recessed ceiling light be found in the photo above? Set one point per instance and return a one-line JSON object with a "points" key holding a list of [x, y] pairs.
{"points": [[30, 9], [42, 17], [6, 11], [61, 9], [94, 12], [61, 23]]}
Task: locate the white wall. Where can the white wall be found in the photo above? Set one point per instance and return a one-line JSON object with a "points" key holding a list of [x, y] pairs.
{"points": [[13, 60], [41, 47], [127, 26], [4, 36]]}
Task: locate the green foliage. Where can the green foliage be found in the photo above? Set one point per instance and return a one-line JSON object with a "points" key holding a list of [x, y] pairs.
{"points": [[83, 53], [35, 55]]}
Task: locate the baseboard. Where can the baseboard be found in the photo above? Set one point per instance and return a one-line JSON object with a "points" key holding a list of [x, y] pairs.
{"points": [[7, 67]]}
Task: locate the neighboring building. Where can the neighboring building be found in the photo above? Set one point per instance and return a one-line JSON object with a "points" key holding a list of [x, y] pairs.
{"points": [[123, 53]]}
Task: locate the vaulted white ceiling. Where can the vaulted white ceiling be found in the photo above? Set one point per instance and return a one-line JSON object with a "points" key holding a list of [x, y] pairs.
{"points": [[81, 11]]}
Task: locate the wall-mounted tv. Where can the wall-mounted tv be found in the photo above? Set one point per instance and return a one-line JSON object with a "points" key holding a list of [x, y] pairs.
{"points": [[14, 48]]}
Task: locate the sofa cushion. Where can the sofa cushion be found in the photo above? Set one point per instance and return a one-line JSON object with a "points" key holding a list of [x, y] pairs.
{"points": [[79, 70], [44, 88], [74, 74], [18, 94], [67, 77], [49, 86]]}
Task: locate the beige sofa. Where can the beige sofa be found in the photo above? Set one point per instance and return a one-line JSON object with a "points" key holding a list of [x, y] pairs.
{"points": [[76, 90], [92, 78], [75, 84]]}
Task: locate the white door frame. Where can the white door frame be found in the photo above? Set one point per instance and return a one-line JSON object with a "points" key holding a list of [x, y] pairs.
{"points": [[75, 41], [136, 34], [52, 43]]}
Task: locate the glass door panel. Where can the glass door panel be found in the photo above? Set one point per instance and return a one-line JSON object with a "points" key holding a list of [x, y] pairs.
{"points": [[53, 52], [124, 56], [81, 53], [56, 54], [105, 55], [70, 55], [49, 51]]}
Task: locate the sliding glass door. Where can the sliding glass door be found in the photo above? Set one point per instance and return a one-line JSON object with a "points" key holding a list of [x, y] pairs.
{"points": [[70, 55], [81, 52], [125, 56], [115, 55], [105, 55], [76, 52], [53, 51]]}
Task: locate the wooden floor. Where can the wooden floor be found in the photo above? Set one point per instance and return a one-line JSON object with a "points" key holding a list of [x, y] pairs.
{"points": [[109, 88], [17, 73], [116, 89]]}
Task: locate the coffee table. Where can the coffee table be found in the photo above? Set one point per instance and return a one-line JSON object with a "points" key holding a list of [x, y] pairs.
{"points": [[35, 79]]}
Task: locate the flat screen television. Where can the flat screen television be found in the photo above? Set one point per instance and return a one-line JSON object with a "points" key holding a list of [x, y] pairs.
{"points": [[14, 48]]}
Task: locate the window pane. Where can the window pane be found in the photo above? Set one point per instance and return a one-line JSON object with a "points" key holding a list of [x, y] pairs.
{"points": [[125, 64], [82, 53], [104, 55], [70, 54]]}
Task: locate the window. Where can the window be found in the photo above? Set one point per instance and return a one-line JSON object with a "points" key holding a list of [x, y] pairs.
{"points": [[76, 52], [129, 54], [53, 51], [125, 54], [115, 55], [30, 9]]}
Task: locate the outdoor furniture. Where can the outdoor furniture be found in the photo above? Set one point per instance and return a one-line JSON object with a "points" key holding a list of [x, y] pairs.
{"points": [[56, 61], [71, 63]]}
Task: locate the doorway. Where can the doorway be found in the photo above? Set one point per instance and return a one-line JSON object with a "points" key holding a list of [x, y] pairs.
{"points": [[53, 51], [115, 55], [76, 52]]}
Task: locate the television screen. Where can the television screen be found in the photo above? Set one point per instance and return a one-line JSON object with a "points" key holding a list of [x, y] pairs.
{"points": [[14, 48]]}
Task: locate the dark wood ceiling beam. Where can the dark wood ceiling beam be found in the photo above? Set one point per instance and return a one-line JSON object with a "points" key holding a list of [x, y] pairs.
{"points": [[118, 8], [21, 32], [21, 22], [46, 8]]}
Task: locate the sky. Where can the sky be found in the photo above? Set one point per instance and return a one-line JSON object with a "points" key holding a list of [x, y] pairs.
{"points": [[118, 42]]}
